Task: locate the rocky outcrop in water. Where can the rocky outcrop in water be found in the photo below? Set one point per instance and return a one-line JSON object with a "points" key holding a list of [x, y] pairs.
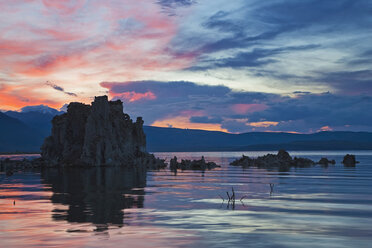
{"points": [[326, 161], [349, 160], [186, 164], [97, 135], [282, 160]]}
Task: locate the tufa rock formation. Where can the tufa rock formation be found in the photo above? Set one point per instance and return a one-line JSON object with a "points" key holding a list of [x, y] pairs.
{"points": [[349, 160], [96, 135], [192, 165], [326, 161], [282, 160]]}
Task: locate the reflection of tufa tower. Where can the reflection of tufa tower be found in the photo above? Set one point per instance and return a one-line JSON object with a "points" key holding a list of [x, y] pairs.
{"points": [[100, 134], [95, 195]]}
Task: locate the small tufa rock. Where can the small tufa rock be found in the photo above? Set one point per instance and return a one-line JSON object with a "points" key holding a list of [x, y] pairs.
{"points": [[282, 160], [325, 161], [192, 164], [349, 160], [173, 164]]}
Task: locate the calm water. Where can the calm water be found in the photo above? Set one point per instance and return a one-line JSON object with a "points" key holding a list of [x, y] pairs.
{"points": [[115, 207]]}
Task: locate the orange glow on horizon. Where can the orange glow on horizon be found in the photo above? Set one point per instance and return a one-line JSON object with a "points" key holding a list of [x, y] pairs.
{"points": [[269, 131], [184, 123], [325, 128], [263, 124], [11, 98]]}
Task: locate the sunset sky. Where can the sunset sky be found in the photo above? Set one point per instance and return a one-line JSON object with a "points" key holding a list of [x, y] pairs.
{"points": [[236, 66]]}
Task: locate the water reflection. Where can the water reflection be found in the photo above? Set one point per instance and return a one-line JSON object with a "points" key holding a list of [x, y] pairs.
{"points": [[306, 207], [95, 195]]}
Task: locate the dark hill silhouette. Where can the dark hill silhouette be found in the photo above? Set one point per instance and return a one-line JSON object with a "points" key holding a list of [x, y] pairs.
{"points": [[27, 132], [17, 136], [39, 121], [37, 117], [173, 139]]}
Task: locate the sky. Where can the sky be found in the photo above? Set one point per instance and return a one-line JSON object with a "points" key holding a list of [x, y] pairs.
{"points": [[234, 66]]}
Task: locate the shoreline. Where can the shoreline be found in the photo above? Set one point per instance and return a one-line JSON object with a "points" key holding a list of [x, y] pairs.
{"points": [[19, 153], [2, 154]]}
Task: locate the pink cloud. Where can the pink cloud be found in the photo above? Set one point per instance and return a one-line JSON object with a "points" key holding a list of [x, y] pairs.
{"points": [[9, 48], [325, 128], [133, 96], [66, 7], [46, 65], [88, 43], [60, 34], [243, 108]]}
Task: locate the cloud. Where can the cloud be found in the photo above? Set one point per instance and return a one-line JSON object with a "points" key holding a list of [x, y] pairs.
{"points": [[280, 46], [205, 119], [349, 82], [86, 42], [301, 92], [312, 111], [132, 96], [244, 108], [59, 88], [186, 104], [298, 44], [175, 3], [254, 58], [66, 7], [180, 99], [14, 97], [170, 6]]}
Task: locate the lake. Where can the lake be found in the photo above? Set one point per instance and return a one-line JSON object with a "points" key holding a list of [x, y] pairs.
{"points": [[117, 207]]}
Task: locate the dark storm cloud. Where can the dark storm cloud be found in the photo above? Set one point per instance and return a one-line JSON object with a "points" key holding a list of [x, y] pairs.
{"points": [[205, 119], [309, 113], [317, 110], [349, 82], [243, 111], [172, 98]]}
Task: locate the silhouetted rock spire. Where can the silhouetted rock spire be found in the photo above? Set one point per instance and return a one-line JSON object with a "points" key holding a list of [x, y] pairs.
{"points": [[97, 134]]}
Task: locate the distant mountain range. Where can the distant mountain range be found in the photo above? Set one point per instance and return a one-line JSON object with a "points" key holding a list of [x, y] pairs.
{"points": [[38, 121], [16, 135], [173, 139], [25, 131]]}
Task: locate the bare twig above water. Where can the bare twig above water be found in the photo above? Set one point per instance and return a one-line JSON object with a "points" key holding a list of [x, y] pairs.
{"points": [[221, 197], [271, 188], [230, 198], [244, 196]]}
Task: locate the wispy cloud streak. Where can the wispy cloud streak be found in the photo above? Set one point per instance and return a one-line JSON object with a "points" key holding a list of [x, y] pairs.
{"points": [[59, 88]]}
